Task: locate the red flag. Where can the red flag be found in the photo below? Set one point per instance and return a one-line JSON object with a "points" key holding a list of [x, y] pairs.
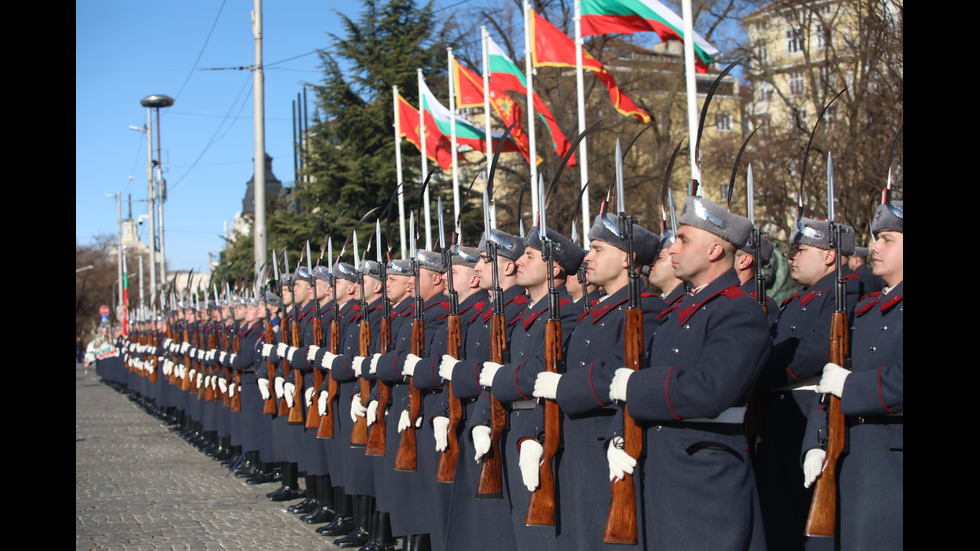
{"points": [[554, 48]]}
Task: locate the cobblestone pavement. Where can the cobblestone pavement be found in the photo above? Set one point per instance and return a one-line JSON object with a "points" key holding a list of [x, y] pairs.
{"points": [[139, 486]]}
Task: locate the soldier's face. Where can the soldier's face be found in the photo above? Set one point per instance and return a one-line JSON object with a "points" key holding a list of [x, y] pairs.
{"points": [[661, 272], [807, 265], [301, 291], [323, 290], [484, 268], [689, 253], [606, 263], [889, 257], [398, 287], [532, 270]]}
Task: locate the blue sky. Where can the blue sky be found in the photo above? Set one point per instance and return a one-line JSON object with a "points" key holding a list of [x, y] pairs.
{"points": [[126, 50]]}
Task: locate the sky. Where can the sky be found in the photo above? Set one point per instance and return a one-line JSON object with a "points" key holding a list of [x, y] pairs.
{"points": [[126, 50]]}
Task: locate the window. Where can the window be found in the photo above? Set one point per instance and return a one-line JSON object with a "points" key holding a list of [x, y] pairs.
{"points": [[794, 41], [762, 53], [795, 81], [826, 76], [723, 122], [823, 37]]}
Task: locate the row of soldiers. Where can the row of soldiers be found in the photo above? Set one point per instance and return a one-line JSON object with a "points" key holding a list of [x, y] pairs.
{"points": [[413, 342]]}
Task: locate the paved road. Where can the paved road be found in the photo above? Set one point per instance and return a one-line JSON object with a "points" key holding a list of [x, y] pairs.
{"points": [[140, 487]]}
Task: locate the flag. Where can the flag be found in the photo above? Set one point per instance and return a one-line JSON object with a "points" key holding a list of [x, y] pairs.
{"points": [[554, 48], [469, 93], [437, 147], [633, 16], [504, 75], [439, 119]]}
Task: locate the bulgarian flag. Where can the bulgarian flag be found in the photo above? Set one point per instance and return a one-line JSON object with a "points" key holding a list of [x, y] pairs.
{"points": [[469, 93], [504, 75], [554, 48], [437, 147], [438, 119], [634, 16]]}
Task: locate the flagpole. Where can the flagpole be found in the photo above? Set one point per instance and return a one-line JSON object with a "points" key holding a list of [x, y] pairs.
{"points": [[452, 135], [425, 161], [583, 158], [398, 170], [486, 113], [529, 70], [692, 88]]}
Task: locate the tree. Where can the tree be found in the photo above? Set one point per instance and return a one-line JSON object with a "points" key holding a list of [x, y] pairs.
{"points": [[351, 149], [95, 286]]}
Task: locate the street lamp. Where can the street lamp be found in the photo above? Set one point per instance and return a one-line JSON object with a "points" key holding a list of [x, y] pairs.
{"points": [[155, 101]]}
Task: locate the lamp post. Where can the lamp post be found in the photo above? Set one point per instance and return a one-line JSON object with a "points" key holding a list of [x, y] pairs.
{"points": [[155, 101]]}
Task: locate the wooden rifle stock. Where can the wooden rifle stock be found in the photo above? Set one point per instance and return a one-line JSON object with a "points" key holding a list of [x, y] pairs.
{"points": [[407, 457], [541, 509], [359, 434], [621, 522], [490, 484], [447, 460], [296, 411], [270, 404], [822, 518], [377, 439], [325, 430], [186, 383], [235, 400], [313, 413]]}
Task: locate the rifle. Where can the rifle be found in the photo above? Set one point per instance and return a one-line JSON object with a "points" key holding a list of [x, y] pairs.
{"points": [[377, 439], [621, 522], [821, 519], [446, 472], [325, 429], [296, 411], [490, 483], [407, 456], [358, 436], [313, 412], [285, 336]]}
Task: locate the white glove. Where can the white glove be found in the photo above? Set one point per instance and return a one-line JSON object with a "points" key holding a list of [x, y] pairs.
{"points": [[232, 358], [266, 350], [358, 362], [404, 422], [372, 412], [308, 395], [446, 367], [620, 463], [288, 390], [832, 381], [193, 373], [322, 403], [281, 349], [192, 352], [207, 380], [374, 364], [278, 386], [356, 409], [440, 429], [224, 385], [168, 367], [291, 353], [149, 367], [200, 354], [166, 342], [327, 361], [529, 462], [184, 346], [311, 353], [617, 389], [481, 441], [214, 382], [546, 385], [264, 388], [410, 362], [210, 355], [222, 356], [813, 466], [231, 389], [487, 373]]}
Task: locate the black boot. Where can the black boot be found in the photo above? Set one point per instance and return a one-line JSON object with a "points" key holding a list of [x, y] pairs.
{"points": [[362, 517], [343, 521]]}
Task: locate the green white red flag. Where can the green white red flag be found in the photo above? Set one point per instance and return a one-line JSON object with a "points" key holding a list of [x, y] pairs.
{"points": [[633, 16]]}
